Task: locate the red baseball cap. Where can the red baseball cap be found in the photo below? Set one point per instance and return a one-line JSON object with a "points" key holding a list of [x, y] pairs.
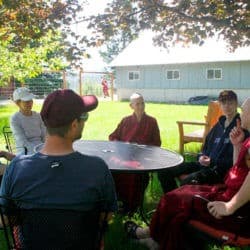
{"points": [[61, 107]]}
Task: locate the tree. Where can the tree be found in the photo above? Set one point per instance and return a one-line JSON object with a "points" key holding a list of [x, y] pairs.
{"points": [[25, 21], [30, 62], [115, 45], [34, 34], [175, 21]]}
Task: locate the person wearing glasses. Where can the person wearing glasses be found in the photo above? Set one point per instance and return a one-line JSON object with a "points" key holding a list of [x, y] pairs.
{"points": [[27, 126], [58, 175]]}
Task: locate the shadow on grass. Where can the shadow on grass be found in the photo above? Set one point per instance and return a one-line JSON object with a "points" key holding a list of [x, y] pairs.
{"points": [[116, 237]]}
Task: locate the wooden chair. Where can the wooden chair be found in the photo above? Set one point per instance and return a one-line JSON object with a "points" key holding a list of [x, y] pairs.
{"points": [[50, 228], [213, 113], [10, 141]]}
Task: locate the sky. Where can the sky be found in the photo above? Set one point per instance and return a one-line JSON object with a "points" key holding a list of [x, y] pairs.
{"points": [[96, 6], [95, 63]]}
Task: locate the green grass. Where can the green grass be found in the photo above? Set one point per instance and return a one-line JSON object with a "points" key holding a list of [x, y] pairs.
{"points": [[105, 118], [101, 123]]}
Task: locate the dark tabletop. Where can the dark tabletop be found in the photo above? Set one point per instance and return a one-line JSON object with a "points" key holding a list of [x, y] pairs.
{"points": [[129, 157]]}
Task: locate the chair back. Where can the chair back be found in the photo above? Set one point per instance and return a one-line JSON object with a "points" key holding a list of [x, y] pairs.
{"points": [[10, 141], [213, 113], [54, 229]]}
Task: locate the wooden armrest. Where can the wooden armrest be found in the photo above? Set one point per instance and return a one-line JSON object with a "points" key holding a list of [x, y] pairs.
{"points": [[181, 126], [191, 123]]}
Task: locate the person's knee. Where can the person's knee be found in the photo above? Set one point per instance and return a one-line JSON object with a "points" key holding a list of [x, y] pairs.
{"points": [[190, 179], [200, 177]]}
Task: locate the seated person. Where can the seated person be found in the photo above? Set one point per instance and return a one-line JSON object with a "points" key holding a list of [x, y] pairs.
{"points": [[178, 206], [58, 176], [137, 128], [217, 154], [27, 126], [219, 209]]}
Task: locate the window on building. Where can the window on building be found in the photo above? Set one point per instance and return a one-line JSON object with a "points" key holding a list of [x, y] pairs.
{"points": [[133, 75], [173, 74], [214, 74]]}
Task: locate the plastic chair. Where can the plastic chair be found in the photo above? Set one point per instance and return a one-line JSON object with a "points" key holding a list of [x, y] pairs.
{"points": [[210, 234], [213, 113], [239, 237], [10, 141], [48, 228]]}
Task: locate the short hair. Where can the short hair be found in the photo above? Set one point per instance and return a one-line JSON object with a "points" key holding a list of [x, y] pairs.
{"points": [[227, 95], [135, 96], [60, 131]]}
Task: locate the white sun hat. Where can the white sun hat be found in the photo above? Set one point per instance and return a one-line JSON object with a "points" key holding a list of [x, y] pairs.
{"points": [[22, 94]]}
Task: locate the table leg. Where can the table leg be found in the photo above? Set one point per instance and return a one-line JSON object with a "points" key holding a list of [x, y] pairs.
{"points": [[146, 216]]}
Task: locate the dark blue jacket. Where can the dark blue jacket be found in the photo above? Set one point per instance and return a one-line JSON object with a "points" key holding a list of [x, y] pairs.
{"points": [[219, 147]]}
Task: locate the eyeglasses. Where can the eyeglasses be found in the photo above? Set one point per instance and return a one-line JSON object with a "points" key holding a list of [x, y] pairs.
{"points": [[84, 117]]}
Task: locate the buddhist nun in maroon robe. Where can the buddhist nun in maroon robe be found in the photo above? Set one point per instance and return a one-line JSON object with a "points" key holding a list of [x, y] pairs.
{"points": [[130, 187], [179, 205]]}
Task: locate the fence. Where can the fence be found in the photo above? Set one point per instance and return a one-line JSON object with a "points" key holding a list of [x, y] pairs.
{"points": [[81, 82], [91, 83]]}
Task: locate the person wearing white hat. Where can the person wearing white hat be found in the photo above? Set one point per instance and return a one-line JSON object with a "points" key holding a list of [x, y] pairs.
{"points": [[27, 126]]}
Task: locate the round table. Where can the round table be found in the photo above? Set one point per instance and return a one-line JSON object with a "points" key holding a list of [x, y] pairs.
{"points": [[129, 157]]}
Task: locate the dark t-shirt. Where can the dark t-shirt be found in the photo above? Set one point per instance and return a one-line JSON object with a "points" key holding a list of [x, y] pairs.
{"points": [[74, 181]]}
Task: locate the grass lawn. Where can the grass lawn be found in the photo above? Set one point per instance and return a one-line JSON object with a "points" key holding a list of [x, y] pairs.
{"points": [[105, 118], [101, 123]]}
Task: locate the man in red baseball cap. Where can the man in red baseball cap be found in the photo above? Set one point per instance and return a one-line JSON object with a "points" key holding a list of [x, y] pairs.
{"points": [[58, 176]]}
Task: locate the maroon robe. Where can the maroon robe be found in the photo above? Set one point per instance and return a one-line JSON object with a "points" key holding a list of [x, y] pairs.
{"points": [[105, 87], [130, 187], [177, 206]]}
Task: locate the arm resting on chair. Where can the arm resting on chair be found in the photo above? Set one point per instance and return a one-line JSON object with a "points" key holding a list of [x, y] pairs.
{"points": [[219, 208]]}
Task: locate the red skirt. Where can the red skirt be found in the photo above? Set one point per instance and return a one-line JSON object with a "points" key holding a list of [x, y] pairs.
{"points": [[174, 210], [130, 189]]}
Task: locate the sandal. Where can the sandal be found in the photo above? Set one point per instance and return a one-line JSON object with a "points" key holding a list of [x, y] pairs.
{"points": [[130, 228]]}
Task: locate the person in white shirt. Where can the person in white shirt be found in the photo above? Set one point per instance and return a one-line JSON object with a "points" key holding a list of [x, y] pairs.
{"points": [[27, 126]]}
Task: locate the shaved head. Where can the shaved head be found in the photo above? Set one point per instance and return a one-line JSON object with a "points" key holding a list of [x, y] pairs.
{"points": [[245, 114], [135, 96]]}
